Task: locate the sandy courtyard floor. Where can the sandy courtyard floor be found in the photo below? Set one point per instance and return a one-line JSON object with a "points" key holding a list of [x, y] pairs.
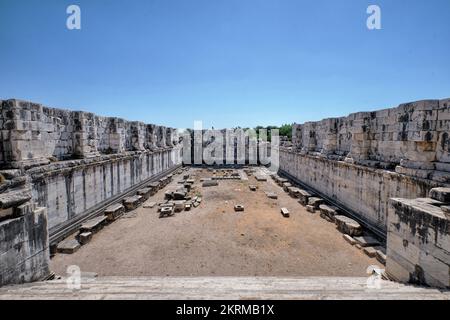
{"points": [[213, 240]]}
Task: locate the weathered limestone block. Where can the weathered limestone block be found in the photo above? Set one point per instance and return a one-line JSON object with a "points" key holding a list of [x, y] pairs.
{"points": [[93, 225], [24, 247], [282, 181], [144, 193], [418, 242], [114, 211], [349, 239], [440, 194], [85, 139], [14, 198], [271, 195], [328, 212], [212, 183], [286, 185], [84, 237], [367, 241], [348, 226], [315, 202], [370, 251], [285, 212], [68, 246], [304, 196], [161, 136], [294, 192], [132, 203], [138, 135]]}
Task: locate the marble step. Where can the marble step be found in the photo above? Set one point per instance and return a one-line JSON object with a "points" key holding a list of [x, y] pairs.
{"points": [[233, 288]]}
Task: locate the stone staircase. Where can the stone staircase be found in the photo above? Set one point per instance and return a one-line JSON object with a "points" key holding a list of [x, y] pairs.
{"points": [[232, 288]]}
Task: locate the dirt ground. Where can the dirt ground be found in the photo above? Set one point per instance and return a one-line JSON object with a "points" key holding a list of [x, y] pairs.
{"points": [[213, 240]]}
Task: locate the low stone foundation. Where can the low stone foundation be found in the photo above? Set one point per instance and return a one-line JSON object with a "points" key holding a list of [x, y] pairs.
{"points": [[57, 167]]}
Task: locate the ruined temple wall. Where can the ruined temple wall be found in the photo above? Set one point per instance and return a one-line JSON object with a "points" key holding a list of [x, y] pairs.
{"points": [[418, 239], [413, 135], [33, 134], [73, 189], [364, 190], [366, 158], [24, 253]]}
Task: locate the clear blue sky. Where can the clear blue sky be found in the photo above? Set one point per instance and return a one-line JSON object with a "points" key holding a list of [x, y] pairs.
{"points": [[226, 62]]}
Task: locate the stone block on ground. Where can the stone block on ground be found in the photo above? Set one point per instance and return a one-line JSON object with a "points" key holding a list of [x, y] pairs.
{"points": [[281, 181], [132, 203], [114, 211], [212, 183], [188, 206], [178, 205], [166, 212], [367, 241], [348, 226], [285, 212], [68, 246], [145, 193], [84, 237], [260, 178], [93, 225], [154, 186], [310, 208], [168, 195], [315, 202], [271, 195], [349, 239], [327, 212], [179, 194], [303, 197], [238, 208], [381, 255], [286, 185], [252, 187], [149, 205], [370, 251]]}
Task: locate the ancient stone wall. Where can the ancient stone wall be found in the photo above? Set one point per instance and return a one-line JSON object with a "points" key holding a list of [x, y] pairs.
{"points": [[24, 254], [412, 138], [418, 239], [366, 158], [58, 166], [72, 188], [35, 135], [364, 190]]}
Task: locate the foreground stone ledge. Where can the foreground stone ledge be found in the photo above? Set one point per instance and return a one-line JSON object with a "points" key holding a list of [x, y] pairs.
{"points": [[418, 242]]}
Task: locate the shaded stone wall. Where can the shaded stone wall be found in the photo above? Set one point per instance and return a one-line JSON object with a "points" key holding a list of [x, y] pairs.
{"points": [[24, 249], [366, 158], [364, 190], [71, 188], [418, 239]]}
